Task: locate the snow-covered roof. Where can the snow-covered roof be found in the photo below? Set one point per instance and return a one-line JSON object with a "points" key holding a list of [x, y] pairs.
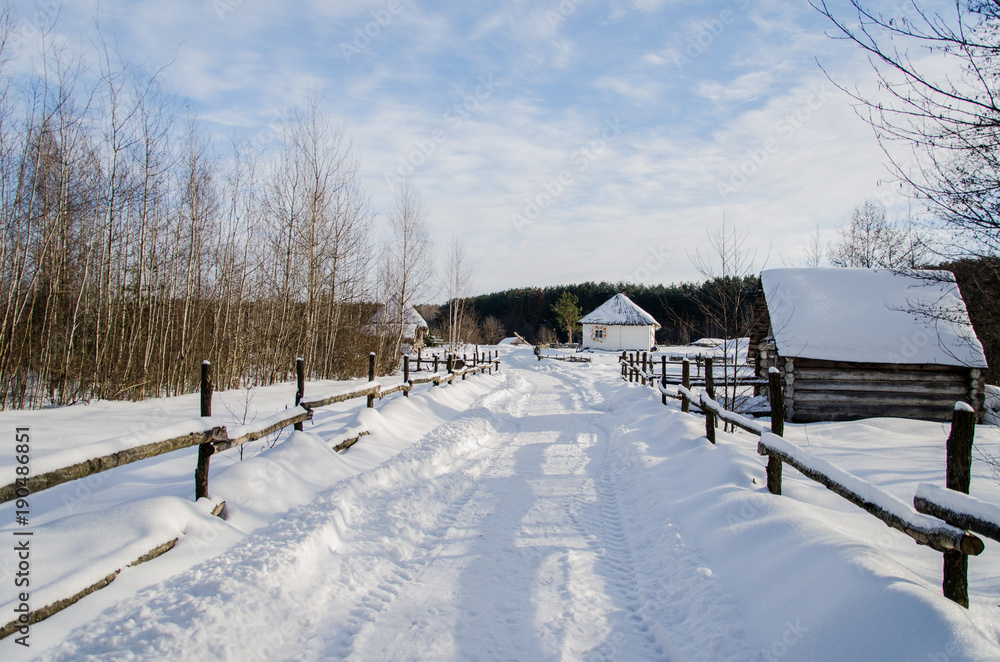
{"points": [[387, 315], [386, 319], [871, 316], [619, 310]]}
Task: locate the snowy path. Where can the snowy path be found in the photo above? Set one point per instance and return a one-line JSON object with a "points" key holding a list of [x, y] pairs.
{"points": [[514, 531]]}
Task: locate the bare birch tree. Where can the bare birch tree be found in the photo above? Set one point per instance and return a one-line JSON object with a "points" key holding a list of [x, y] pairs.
{"points": [[727, 303], [458, 286], [408, 261]]}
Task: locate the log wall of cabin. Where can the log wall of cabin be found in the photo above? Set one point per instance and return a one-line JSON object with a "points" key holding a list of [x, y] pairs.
{"points": [[839, 391]]}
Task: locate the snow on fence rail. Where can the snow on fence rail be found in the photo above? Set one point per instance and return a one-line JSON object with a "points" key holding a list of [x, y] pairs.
{"points": [[211, 439], [959, 510], [939, 518], [895, 512]]}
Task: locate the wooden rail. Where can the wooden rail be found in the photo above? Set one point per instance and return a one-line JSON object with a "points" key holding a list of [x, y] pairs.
{"points": [[37, 615], [98, 464], [959, 509], [568, 358], [895, 512]]}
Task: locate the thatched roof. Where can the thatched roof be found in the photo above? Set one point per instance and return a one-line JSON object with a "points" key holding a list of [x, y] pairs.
{"points": [[619, 310]]}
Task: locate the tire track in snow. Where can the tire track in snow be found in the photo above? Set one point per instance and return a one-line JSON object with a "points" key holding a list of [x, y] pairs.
{"points": [[524, 587], [671, 608], [676, 598], [425, 541]]}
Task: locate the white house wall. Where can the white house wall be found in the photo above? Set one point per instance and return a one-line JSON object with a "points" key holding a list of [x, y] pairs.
{"points": [[618, 338]]}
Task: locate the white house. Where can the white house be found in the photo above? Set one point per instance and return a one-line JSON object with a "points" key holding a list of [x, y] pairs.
{"points": [[619, 324]]}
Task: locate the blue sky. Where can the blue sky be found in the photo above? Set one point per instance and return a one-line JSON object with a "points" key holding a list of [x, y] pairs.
{"points": [[562, 141]]}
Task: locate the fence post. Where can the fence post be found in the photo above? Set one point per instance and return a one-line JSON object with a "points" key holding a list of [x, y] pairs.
{"points": [[465, 365], [777, 397], [622, 360], [663, 377], [644, 368], [419, 352], [204, 450], [959, 478], [435, 367], [631, 368], [371, 377], [300, 383], [777, 427], [686, 381], [710, 391], [406, 375]]}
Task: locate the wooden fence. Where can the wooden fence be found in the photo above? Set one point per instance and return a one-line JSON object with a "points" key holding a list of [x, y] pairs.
{"points": [[939, 518], [212, 439], [432, 362]]}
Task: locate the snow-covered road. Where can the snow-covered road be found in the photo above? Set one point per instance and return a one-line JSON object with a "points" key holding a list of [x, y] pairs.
{"points": [[511, 532], [552, 512]]}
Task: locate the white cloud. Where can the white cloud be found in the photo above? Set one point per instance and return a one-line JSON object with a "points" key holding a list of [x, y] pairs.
{"points": [[747, 87]]}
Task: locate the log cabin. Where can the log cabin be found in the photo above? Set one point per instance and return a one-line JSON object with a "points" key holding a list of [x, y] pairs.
{"points": [[863, 343]]}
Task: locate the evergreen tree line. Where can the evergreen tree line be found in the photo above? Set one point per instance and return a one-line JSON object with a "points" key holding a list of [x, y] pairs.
{"points": [[133, 246], [685, 311]]}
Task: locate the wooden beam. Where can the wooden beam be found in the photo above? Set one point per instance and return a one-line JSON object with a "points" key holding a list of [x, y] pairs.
{"points": [[38, 615], [97, 465], [295, 419], [347, 443], [930, 501], [367, 389], [943, 538], [959, 389], [873, 398]]}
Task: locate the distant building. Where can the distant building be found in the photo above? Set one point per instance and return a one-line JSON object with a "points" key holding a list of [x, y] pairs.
{"points": [[385, 321], [863, 343], [619, 324]]}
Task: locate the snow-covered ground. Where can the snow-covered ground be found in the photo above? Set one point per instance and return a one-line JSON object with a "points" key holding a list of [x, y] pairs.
{"points": [[548, 512]]}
